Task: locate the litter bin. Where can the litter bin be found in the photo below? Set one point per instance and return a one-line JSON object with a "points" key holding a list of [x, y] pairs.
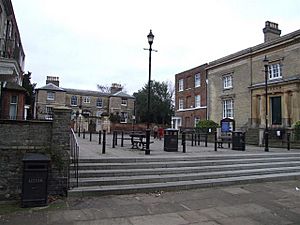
{"points": [[171, 140], [35, 180], [238, 141]]}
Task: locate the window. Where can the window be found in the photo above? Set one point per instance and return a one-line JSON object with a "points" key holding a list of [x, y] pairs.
{"points": [[99, 103], [180, 103], [197, 119], [275, 71], [50, 96], [49, 112], [86, 99], [227, 81], [180, 85], [197, 101], [124, 116], [124, 101], [197, 80], [13, 107], [228, 108], [74, 100]]}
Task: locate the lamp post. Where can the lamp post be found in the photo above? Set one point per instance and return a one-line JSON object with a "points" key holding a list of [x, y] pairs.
{"points": [[150, 38], [266, 133]]}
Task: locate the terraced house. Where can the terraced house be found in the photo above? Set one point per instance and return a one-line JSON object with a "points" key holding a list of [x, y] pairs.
{"points": [[90, 109]]}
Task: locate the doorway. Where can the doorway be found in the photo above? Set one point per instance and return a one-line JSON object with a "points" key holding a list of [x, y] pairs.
{"points": [[276, 110]]}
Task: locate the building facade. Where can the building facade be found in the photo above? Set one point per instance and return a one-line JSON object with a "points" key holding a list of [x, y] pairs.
{"points": [[190, 97], [236, 83], [91, 110], [12, 57]]}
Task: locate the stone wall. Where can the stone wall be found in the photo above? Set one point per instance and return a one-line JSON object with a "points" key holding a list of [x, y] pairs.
{"points": [[47, 137]]}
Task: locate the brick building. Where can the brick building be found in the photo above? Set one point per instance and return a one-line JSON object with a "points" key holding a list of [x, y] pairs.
{"points": [[90, 109], [12, 94], [190, 97]]}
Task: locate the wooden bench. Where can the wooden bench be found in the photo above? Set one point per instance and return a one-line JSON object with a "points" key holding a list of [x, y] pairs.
{"points": [[224, 139]]}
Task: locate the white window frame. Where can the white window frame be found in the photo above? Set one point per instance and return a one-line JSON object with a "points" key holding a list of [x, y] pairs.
{"points": [[73, 99], [49, 113], [124, 101], [228, 108], [197, 80], [227, 81], [180, 85], [99, 103], [197, 101], [275, 71], [196, 120], [86, 99], [180, 104], [50, 95], [13, 108], [123, 117]]}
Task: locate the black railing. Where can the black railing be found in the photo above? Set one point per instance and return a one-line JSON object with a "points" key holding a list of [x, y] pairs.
{"points": [[74, 155]]}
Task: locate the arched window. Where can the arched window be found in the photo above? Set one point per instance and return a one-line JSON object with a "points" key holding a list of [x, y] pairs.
{"points": [[99, 103], [74, 100]]}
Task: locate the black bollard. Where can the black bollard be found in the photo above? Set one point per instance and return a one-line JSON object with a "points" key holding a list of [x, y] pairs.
{"points": [[122, 139], [113, 139], [116, 138], [199, 139], [79, 132], [99, 137], [83, 133], [183, 143], [104, 142], [216, 141], [288, 141], [147, 151], [192, 139], [206, 137], [90, 135]]}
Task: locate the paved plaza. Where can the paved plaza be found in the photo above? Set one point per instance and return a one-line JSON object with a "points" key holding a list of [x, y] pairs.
{"points": [[269, 203]]}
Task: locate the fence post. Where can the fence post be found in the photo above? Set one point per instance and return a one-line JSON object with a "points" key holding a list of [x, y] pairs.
{"points": [[288, 141], [83, 133], [90, 135], [122, 139], [216, 140], [183, 142], [99, 137], [104, 142]]}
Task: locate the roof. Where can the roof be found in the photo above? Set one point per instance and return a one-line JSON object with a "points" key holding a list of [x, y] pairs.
{"points": [[288, 37], [13, 86], [122, 94], [85, 92], [50, 87]]}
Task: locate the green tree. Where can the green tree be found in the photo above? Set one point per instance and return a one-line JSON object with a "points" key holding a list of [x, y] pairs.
{"points": [[29, 100], [161, 108]]}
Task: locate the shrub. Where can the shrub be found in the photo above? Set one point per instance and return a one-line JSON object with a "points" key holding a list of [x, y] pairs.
{"points": [[297, 130], [205, 125]]}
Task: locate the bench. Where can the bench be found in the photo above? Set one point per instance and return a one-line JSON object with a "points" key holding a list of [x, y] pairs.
{"points": [[224, 139]]}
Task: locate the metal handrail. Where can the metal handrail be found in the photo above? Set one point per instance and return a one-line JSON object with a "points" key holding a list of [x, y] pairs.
{"points": [[74, 150]]}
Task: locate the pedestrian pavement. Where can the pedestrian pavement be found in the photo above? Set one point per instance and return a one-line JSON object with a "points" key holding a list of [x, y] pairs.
{"points": [[92, 149], [269, 203], [272, 203]]}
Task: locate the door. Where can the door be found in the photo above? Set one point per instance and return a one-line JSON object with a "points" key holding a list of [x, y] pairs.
{"points": [[276, 110]]}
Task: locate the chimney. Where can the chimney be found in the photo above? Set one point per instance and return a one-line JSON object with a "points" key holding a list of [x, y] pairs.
{"points": [[53, 80], [271, 31], [115, 88]]}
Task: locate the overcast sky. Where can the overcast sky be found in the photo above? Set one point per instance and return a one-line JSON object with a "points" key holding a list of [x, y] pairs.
{"points": [[92, 42]]}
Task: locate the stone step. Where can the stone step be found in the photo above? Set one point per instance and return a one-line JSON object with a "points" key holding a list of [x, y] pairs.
{"points": [[176, 170], [179, 163], [124, 180], [178, 185]]}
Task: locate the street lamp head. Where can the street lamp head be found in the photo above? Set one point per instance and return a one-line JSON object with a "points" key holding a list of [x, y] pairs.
{"points": [[266, 61], [150, 37]]}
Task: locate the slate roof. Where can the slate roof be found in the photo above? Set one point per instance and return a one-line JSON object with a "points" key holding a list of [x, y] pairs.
{"points": [[51, 87]]}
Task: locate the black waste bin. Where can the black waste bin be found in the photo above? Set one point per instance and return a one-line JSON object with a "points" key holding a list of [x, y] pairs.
{"points": [[35, 180], [171, 140], [238, 141]]}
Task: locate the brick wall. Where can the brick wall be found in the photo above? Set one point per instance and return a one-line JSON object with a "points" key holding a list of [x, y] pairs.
{"points": [[47, 137]]}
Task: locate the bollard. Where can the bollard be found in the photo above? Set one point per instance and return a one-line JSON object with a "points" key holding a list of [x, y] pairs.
{"points": [[83, 133], [122, 139], [183, 142], [288, 141], [192, 139], [79, 132], [216, 140], [206, 137], [104, 142], [99, 137], [116, 138], [195, 140], [113, 139], [147, 151], [90, 135], [199, 139]]}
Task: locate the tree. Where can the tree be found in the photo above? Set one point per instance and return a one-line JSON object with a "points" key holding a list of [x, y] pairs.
{"points": [[161, 108], [29, 100]]}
